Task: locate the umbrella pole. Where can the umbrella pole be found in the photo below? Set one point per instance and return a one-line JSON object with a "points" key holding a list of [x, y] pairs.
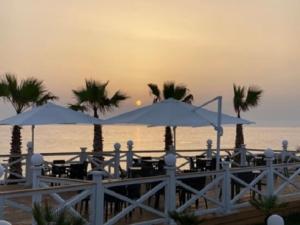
{"points": [[219, 132], [32, 136], [174, 137]]}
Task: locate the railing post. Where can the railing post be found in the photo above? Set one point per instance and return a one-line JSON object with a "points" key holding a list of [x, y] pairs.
{"points": [[129, 155], [97, 199], [243, 160], [209, 146], [28, 163], [269, 157], [2, 201], [37, 165], [117, 147], [226, 190], [284, 153], [170, 204], [83, 155], [36, 161]]}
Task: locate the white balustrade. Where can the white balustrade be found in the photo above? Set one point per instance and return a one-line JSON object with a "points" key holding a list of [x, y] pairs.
{"points": [[209, 146], [83, 155], [243, 159], [269, 157], [129, 154], [117, 147]]}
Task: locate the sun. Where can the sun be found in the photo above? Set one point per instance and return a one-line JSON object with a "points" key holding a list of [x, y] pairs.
{"points": [[138, 102]]}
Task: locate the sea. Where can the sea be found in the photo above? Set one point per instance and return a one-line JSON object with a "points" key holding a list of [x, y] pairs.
{"points": [[69, 138]]}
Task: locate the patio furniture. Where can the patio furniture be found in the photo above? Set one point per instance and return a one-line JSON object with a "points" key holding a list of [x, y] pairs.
{"points": [[247, 177], [78, 171], [59, 168], [198, 183]]}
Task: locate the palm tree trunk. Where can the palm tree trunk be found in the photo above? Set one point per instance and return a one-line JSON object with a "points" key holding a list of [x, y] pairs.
{"points": [[239, 134], [168, 138], [239, 139], [15, 152], [98, 139]]}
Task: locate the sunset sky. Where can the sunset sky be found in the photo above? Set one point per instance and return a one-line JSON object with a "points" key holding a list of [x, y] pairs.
{"points": [[204, 44]]}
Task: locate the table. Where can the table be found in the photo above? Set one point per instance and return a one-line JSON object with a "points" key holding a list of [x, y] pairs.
{"points": [[134, 171]]}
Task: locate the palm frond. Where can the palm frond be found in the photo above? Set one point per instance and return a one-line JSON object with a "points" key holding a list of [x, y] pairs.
{"points": [[238, 98], [253, 96], [169, 89], [45, 98], [154, 90], [188, 99], [94, 96], [28, 92], [77, 107], [180, 92], [117, 98]]}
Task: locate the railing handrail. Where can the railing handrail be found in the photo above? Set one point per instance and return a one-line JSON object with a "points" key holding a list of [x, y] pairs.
{"points": [[48, 190]]}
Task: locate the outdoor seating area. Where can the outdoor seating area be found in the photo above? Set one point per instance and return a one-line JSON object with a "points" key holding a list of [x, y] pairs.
{"points": [[138, 187]]}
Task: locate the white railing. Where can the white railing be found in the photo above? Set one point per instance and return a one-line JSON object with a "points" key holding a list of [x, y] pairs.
{"points": [[114, 200], [112, 161]]}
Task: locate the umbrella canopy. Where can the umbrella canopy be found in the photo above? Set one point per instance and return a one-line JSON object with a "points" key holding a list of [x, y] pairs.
{"points": [[47, 114], [50, 113], [171, 112]]}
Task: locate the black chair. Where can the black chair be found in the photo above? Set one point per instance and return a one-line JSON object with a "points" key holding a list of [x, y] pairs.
{"points": [[134, 190], [58, 170], [78, 171], [146, 158], [260, 160], [198, 183], [192, 163], [201, 164], [213, 164], [247, 177], [112, 204]]}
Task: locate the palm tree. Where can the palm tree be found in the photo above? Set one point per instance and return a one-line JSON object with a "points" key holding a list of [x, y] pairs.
{"points": [[242, 102], [170, 90], [22, 95], [94, 97]]}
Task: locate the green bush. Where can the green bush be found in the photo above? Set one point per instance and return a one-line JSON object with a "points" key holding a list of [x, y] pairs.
{"points": [[46, 215]]}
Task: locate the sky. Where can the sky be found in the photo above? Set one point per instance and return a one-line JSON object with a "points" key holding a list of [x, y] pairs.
{"points": [[206, 45]]}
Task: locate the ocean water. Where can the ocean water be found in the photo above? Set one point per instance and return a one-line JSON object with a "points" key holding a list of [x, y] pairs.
{"points": [[71, 137]]}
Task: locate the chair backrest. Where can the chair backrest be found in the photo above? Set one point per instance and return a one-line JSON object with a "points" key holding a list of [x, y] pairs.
{"points": [[147, 170], [59, 161], [77, 171], [247, 177], [197, 183], [146, 158], [192, 163], [161, 167], [201, 164]]}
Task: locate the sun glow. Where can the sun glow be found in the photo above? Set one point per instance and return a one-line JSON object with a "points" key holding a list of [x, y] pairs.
{"points": [[138, 103]]}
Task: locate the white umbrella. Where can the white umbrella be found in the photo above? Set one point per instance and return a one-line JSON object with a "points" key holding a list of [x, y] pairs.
{"points": [[175, 113], [47, 114]]}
